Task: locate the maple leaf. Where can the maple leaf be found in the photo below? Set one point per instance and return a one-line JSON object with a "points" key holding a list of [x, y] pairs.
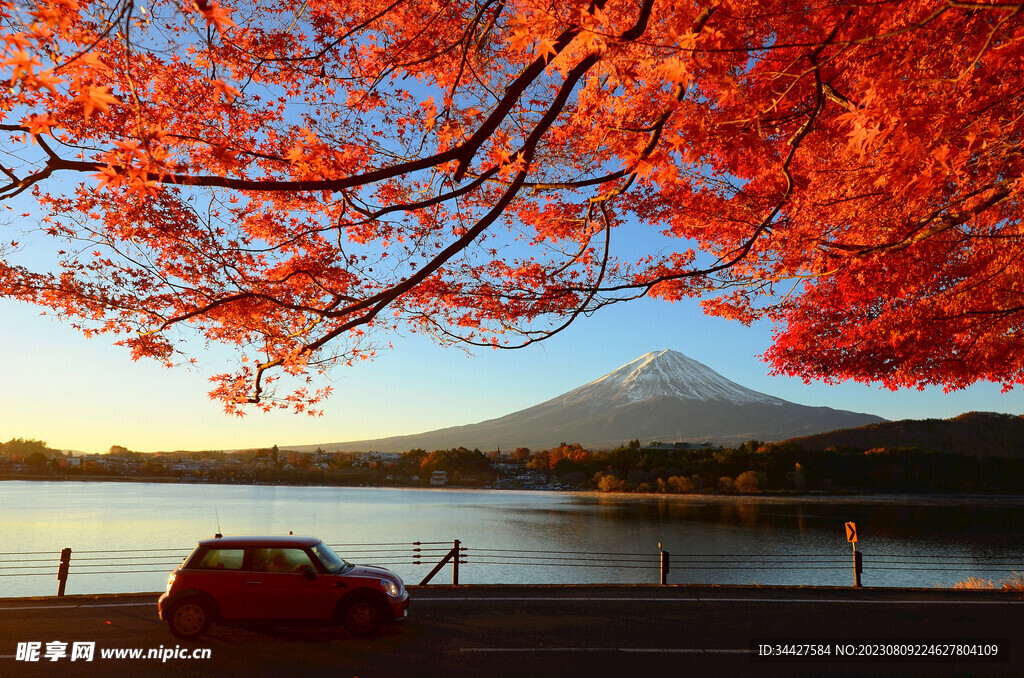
{"points": [[91, 61], [108, 176], [47, 79], [217, 15], [545, 49], [227, 91], [23, 65], [521, 40], [96, 98], [38, 124], [675, 70], [18, 41], [296, 155]]}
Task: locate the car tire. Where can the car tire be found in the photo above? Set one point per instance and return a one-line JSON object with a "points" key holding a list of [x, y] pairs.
{"points": [[361, 617], [190, 618]]}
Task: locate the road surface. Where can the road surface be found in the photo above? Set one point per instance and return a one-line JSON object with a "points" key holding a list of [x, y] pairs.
{"points": [[558, 631]]}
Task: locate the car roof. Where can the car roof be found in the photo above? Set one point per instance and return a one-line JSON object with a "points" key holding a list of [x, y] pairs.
{"points": [[281, 541]]}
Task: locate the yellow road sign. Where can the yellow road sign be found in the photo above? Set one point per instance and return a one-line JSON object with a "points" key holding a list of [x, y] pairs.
{"points": [[851, 532]]}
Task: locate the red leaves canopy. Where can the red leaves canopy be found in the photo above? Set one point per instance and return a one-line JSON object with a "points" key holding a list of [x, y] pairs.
{"points": [[286, 178]]}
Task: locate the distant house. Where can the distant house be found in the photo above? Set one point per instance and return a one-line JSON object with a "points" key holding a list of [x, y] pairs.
{"points": [[658, 445], [439, 478]]}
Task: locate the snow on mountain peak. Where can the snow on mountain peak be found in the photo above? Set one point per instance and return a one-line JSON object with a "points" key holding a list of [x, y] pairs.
{"points": [[666, 374]]}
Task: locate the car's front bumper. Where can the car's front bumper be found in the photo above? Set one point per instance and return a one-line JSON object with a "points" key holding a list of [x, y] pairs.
{"points": [[399, 606], [161, 606]]}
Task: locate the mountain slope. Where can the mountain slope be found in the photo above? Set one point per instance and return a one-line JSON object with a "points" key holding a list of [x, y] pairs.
{"points": [[662, 395], [974, 434]]}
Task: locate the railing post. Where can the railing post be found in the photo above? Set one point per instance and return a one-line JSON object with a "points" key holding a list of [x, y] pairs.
{"points": [[456, 554], [665, 558], [62, 571], [455, 562]]}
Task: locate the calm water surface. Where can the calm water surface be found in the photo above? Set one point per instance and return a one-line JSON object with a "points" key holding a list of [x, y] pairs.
{"points": [[511, 537]]}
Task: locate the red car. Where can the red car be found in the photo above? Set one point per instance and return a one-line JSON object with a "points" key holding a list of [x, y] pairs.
{"points": [[278, 579]]}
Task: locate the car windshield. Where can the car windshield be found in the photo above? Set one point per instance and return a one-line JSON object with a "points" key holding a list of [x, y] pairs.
{"points": [[334, 563]]}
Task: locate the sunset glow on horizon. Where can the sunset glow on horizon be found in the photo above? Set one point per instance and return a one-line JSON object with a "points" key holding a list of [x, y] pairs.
{"points": [[86, 395]]}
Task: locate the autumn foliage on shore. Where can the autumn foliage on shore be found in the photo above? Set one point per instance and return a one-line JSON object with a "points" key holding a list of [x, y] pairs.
{"points": [[298, 181]]}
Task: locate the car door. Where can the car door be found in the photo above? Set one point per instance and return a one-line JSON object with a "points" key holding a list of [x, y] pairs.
{"points": [[221, 572], [282, 589]]}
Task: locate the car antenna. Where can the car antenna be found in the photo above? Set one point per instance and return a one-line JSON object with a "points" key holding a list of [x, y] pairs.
{"points": [[218, 535]]}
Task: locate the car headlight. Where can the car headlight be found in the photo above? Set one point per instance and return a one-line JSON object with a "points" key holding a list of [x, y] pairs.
{"points": [[170, 582], [391, 588]]}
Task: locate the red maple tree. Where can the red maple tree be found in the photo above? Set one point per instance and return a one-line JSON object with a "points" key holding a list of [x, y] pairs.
{"points": [[298, 179]]}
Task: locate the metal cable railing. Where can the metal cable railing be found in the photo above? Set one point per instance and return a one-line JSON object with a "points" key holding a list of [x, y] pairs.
{"points": [[163, 560]]}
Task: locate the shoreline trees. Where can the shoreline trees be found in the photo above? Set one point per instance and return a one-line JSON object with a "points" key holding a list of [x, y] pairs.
{"points": [[753, 468]]}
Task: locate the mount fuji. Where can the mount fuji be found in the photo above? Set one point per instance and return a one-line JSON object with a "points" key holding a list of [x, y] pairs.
{"points": [[663, 395]]}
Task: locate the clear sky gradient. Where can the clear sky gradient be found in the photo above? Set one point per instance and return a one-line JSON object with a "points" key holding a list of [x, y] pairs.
{"points": [[84, 394]]}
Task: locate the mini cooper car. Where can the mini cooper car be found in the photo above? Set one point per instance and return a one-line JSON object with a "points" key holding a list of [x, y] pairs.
{"points": [[278, 580]]}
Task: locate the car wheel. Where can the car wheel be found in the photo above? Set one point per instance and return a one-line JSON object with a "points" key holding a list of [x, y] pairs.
{"points": [[361, 617], [190, 619]]}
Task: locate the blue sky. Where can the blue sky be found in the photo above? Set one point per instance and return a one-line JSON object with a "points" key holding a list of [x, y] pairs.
{"points": [[83, 394]]}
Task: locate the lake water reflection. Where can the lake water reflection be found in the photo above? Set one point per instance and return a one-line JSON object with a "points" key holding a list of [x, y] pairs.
{"points": [[511, 537]]}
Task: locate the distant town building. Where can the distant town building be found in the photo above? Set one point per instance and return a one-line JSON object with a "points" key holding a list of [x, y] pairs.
{"points": [[658, 445], [438, 478]]}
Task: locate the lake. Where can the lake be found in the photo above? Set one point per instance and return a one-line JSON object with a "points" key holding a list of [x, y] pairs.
{"points": [[127, 537]]}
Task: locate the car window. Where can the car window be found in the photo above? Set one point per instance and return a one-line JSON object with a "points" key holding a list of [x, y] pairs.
{"points": [[280, 560], [333, 563], [218, 559]]}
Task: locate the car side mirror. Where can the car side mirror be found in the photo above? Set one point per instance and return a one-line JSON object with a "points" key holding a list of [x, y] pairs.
{"points": [[309, 573]]}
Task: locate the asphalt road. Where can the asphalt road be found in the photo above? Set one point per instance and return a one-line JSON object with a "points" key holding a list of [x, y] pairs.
{"points": [[554, 631]]}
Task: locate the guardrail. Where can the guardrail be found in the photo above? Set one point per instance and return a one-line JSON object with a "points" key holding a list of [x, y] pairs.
{"points": [[441, 554]]}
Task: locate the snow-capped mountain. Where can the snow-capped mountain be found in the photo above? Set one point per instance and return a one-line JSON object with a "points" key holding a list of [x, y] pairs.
{"points": [[662, 396], [661, 374]]}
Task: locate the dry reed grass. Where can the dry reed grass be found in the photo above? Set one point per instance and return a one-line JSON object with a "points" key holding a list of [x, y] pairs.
{"points": [[1014, 583]]}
